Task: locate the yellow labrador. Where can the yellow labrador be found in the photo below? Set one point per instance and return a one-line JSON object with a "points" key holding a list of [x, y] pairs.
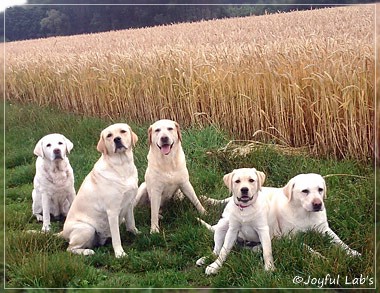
{"points": [[298, 207], [245, 215], [166, 172], [106, 195], [53, 183]]}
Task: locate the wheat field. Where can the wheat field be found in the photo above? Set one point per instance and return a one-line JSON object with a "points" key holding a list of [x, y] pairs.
{"points": [[304, 78]]}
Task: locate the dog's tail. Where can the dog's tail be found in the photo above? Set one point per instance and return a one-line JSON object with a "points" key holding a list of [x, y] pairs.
{"points": [[207, 225], [214, 201], [42, 232], [142, 192]]}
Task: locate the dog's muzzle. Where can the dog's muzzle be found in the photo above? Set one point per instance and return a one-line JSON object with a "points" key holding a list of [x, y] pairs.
{"points": [[57, 154], [317, 205], [244, 198], [119, 144], [244, 195], [165, 146]]}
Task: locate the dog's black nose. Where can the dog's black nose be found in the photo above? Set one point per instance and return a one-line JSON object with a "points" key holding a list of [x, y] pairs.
{"points": [[164, 139], [117, 139], [317, 205], [244, 190], [56, 151]]}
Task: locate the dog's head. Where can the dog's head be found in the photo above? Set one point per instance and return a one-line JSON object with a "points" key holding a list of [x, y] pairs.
{"points": [[53, 147], [116, 138], [164, 135], [308, 190], [244, 184]]}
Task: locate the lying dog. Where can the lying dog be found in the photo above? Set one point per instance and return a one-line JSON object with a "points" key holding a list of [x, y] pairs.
{"points": [[298, 207], [53, 183], [166, 172], [246, 216], [106, 196]]}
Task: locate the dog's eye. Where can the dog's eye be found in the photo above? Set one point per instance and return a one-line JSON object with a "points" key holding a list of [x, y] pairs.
{"points": [[237, 181], [306, 191], [157, 130], [60, 143], [109, 135], [320, 190], [123, 131], [170, 128], [251, 180], [48, 145]]}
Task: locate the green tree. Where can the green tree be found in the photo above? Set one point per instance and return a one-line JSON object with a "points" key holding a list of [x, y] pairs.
{"points": [[56, 23]]}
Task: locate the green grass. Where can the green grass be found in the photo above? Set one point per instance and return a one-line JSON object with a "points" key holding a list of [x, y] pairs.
{"points": [[167, 260]]}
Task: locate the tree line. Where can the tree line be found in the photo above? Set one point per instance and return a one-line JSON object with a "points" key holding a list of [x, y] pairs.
{"points": [[77, 17]]}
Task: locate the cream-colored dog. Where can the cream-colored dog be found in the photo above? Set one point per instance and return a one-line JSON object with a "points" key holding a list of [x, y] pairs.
{"points": [[167, 172], [106, 196], [298, 207], [246, 216], [53, 183]]}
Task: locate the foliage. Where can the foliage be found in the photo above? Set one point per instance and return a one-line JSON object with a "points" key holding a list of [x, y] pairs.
{"points": [[167, 260]]}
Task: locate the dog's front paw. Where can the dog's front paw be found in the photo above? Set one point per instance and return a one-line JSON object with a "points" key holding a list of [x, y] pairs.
{"points": [[352, 253], [200, 262], [135, 231], [120, 253], [88, 252], [154, 230], [269, 267], [45, 228], [212, 269], [202, 211], [39, 217]]}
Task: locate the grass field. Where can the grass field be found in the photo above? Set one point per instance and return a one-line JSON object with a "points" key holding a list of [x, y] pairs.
{"points": [[304, 78], [167, 260]]}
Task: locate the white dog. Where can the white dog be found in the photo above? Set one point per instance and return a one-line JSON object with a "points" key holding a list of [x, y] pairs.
{"points": [[245, 215], [298, 207], [106, 196], [53, 183], [166, 172]]}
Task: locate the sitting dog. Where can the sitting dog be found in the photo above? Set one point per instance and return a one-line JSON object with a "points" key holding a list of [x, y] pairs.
{"points": [[106, 195], [53, 183], [246, 216], [166, 173], [298, 207]]}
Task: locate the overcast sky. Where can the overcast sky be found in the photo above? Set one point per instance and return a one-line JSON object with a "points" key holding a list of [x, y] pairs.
{"points": [[7, 3]]}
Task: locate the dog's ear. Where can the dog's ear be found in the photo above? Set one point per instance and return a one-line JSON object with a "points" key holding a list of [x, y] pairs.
{"points": [[288, 189], [133, 137], [38, 150], [101, 147], [325, 189], [178, 131], [261, 176], [150, 130], [227, 179], [69, 144]]}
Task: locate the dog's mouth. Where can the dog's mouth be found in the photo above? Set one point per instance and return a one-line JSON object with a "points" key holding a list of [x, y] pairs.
{"points": [[244, 198], [317, 209], [119, 147], [165, 148], [57, 154], [58, 157]]}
